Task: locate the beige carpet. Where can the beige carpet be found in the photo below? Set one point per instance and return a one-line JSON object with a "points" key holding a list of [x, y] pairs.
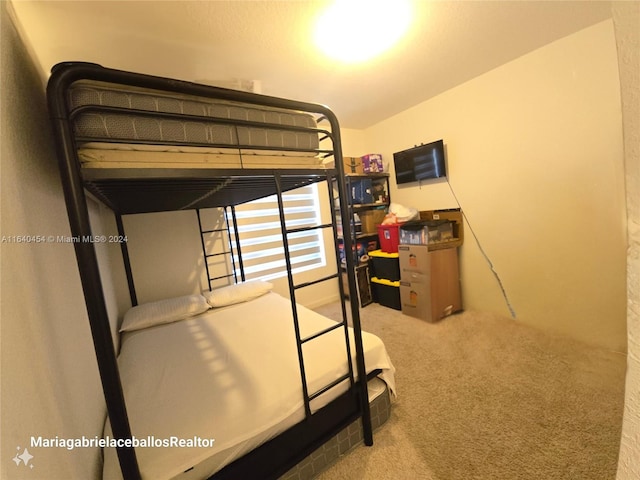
{"points": [[484, 397]]}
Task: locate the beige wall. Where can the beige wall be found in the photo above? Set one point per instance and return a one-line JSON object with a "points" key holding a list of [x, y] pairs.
{"points": [[535, 160], [165, 251], [626, 17], [50, 382], [354, 143]]}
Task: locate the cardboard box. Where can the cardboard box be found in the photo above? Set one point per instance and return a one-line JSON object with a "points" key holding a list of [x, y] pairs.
{"points": [[415, 300], [413, 259], [352, 165], [456, 217], [370, 219], [429, 282], [372, 163]]}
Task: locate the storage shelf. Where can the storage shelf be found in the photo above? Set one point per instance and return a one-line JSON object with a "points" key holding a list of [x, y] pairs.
{"points": [[362, 206], [365, 187], [367, 175], [365, 206], [361, 235]]}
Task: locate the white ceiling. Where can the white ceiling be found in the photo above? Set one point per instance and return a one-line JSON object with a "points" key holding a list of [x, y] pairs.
{"points": [[449, 43]]}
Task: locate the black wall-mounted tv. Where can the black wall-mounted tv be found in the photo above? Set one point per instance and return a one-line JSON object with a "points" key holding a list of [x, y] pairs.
{"points": [[420, 163]]}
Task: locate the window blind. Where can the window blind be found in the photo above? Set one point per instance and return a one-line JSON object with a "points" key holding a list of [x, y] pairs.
{"points": [[260, 234]]}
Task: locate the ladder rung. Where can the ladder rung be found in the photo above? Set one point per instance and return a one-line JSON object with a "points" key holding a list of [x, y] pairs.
{"points": [[324, 279], [330, 386], [306, 229], [221, 276], [216, 254], [213, 231], [322, 332]]}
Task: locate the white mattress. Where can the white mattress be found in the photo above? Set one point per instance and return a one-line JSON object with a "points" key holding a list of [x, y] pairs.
{"points": [[101, 155], [230, 374], [121, 115]]}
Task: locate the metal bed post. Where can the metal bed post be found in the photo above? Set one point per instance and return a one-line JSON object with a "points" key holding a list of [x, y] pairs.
{"points": [[80, 225], [230, 244], [367, 428], [330, 179], [334, 220], [127, 262], [236, 237]]}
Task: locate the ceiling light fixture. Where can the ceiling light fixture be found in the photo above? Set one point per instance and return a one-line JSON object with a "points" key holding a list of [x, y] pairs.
{"points": [[354, 31]]}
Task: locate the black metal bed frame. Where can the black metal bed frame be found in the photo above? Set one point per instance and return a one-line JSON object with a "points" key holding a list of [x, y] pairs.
{"points": [[128, 191]]}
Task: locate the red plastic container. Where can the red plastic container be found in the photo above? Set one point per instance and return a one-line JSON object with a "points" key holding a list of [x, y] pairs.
{"points": [[389, 236]]}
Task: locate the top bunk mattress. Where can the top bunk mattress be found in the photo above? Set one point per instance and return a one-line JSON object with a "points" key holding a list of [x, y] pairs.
{"points": [[130, 127]]}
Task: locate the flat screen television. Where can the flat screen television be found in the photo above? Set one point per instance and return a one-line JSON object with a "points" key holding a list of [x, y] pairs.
{"points": [[420, 163]]}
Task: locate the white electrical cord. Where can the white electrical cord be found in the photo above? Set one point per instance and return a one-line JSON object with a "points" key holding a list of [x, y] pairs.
{"points": [[493, 270]]}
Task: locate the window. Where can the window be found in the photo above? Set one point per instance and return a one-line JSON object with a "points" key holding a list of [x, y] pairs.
{"points": [[261, 236]]}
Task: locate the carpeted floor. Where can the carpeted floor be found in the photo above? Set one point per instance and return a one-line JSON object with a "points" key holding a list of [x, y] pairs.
{"points": [[483, 397]]}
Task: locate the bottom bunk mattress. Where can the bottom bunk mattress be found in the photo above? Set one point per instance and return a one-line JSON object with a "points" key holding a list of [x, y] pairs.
{"points": [[225, 381]]}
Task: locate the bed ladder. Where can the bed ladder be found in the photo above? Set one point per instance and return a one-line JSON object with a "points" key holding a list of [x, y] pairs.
{"points": [[366, 417], [225, 250]]}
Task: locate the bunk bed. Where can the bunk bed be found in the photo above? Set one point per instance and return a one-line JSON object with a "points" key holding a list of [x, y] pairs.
{"points": [[143, 144]]}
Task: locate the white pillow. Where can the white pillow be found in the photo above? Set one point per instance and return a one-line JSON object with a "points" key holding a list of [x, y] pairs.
{"points": [[163, 311], [240, 292]]}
